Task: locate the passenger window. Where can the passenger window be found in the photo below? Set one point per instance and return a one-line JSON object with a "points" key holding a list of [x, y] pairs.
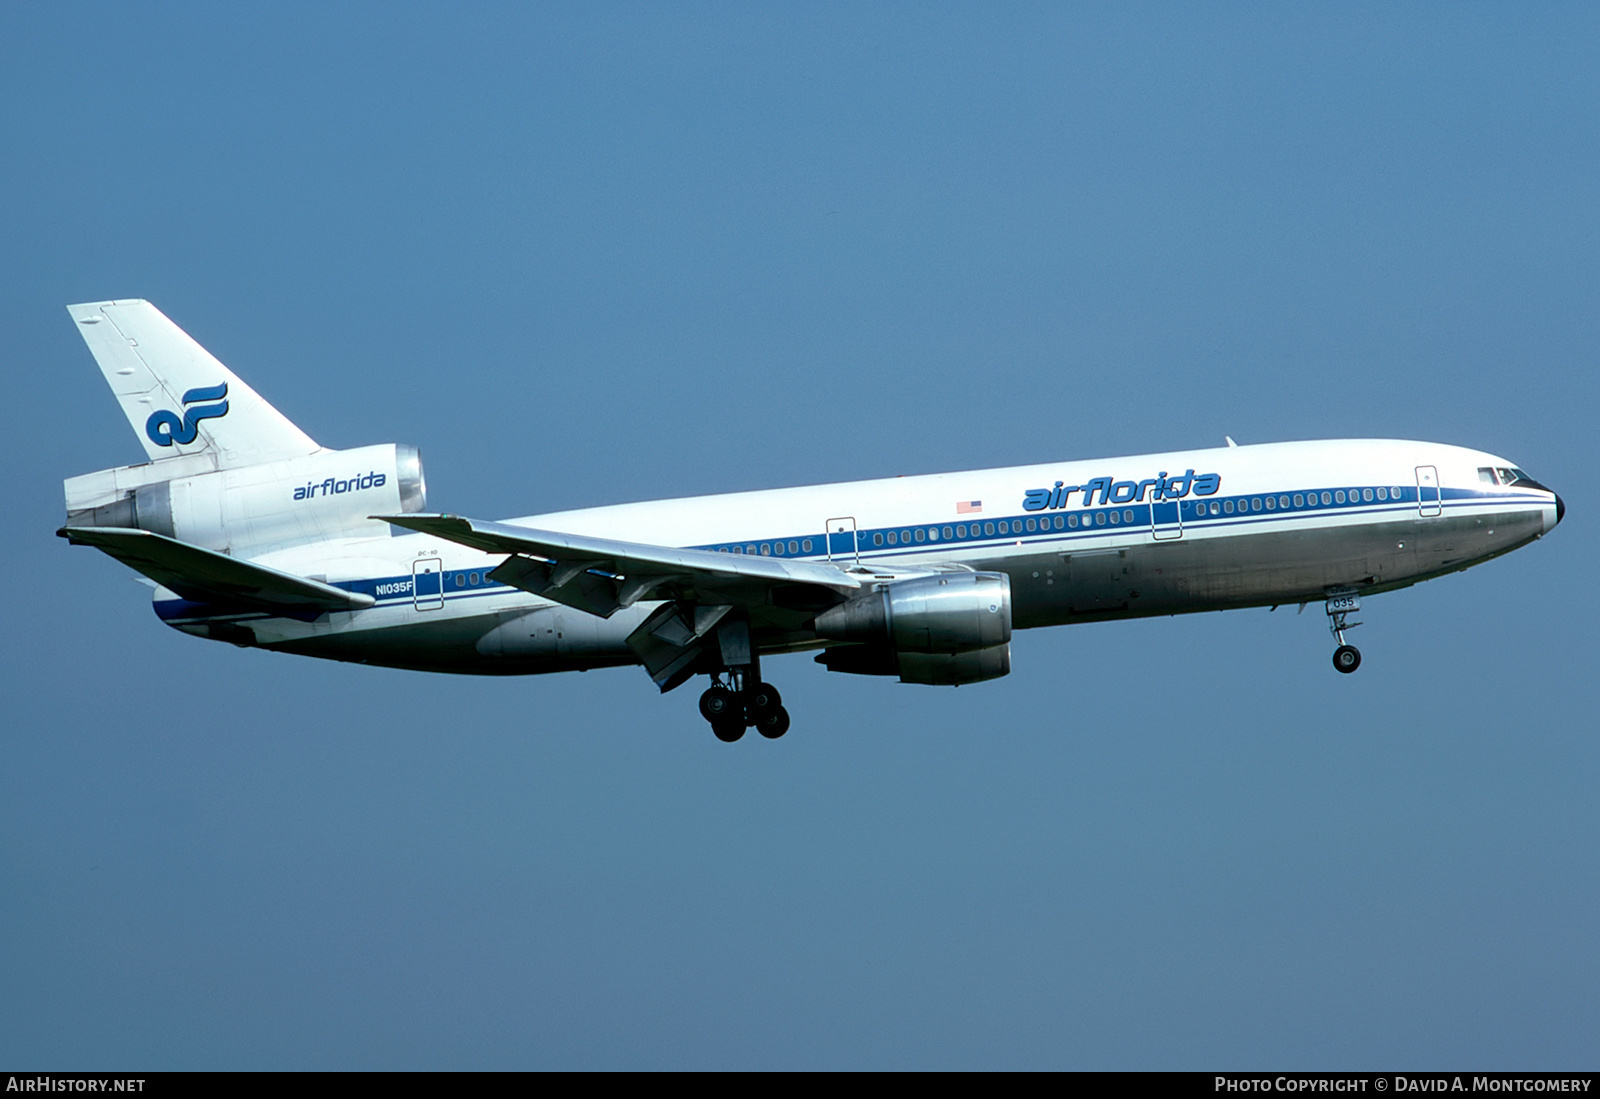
{"points": [[1005, 528], [892, 538], [1072, 520], [1366, 495], [947, 532], [766, 549], [1127, 516], [919, 534], [1115, 518], [750, 549], [1327, 498], [806, 545], [1299, 500], [1032, 525], [933, 534], [1099, 518], [1271, 503], [1227, 506], [905, 537], [988, 528], [961, 530], [877, 539], [1255, 503], [1383, 494], [794, 547], [1338, 496], [461, 581], [1060, 523]]}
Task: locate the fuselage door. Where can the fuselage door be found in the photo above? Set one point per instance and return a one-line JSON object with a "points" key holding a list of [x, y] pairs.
{"points": [[1166, 519], [1428, 500], [427, 583], [842, 539]]}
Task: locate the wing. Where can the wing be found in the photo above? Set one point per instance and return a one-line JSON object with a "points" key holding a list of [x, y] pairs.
{"points": [[601, 575], [697, 588], [205, 576]]}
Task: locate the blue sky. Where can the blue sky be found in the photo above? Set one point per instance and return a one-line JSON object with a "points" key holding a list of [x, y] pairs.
{"points": [[583, 255]]}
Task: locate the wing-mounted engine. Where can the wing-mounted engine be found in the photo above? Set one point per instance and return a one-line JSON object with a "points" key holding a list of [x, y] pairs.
{"points": [[946, 630], [243, 510]]}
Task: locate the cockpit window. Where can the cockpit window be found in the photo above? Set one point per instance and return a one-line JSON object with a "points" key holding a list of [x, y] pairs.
{"points": [[1501, 475]]}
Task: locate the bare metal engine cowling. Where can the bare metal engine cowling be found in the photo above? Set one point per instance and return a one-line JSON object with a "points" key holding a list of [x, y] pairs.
{"points": [[941, 630]]}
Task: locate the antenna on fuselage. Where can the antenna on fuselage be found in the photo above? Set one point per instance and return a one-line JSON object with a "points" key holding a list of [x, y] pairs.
{"points": [[1229, 440]]}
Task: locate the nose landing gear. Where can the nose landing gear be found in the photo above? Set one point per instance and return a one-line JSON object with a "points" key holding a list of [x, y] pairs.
{"points": [[1346, 658], [737, 699]]}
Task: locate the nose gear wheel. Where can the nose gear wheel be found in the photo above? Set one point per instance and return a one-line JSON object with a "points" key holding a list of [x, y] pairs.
{"points": [[1342, 602]]}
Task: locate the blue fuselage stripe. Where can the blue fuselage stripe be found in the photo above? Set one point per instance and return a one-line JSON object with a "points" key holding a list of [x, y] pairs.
{"points": [[1077, 524]]}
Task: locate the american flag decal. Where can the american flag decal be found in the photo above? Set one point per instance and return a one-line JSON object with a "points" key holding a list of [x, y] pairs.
{"points": [[967, 507]]}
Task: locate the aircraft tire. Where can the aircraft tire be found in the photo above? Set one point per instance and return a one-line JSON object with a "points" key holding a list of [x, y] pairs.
{"points": [[718, 703], [1347, 658], [763, 697], [728, 730], [774, 723]]}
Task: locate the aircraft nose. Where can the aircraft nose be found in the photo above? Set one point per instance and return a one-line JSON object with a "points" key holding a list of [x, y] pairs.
{"points": [[1561, 509]]}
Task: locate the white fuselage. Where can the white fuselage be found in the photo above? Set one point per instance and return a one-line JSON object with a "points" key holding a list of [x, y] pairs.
{"points": [[1080, 541]]}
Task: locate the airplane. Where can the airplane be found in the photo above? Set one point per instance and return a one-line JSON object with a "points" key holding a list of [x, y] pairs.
{"points": [[254, 534]]}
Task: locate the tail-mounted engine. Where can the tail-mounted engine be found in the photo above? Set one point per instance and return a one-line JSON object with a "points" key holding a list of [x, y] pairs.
{"points": [[942, 630], [313, 498]]}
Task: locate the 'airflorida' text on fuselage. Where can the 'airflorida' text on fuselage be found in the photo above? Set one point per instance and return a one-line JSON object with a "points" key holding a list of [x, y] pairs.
{"points": [[334, 487], [1123, 492]]}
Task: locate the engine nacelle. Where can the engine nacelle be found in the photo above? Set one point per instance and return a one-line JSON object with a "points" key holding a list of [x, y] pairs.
{"points": [[934, 669], [254, 509], [948, 629]]}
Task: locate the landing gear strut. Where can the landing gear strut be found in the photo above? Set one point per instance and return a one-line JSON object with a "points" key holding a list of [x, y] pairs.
{"points": [[737, 699], [1346, 658]]}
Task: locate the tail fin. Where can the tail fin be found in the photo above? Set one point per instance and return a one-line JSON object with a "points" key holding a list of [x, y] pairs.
{"points": [[177, 396]]}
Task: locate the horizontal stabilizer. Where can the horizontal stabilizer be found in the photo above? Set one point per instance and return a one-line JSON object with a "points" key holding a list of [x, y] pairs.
{"points": [[205, 576], [602, 575]]}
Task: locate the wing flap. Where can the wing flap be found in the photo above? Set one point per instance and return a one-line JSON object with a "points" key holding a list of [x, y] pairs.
{"points": [[205, 576]]}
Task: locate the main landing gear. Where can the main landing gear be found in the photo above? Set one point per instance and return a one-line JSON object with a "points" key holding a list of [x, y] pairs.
{"points": [[737, 700], [1346, 658]]}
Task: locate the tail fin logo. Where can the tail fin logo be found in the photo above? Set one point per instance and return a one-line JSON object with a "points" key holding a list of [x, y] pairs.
{"points": [[166, 428]]}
